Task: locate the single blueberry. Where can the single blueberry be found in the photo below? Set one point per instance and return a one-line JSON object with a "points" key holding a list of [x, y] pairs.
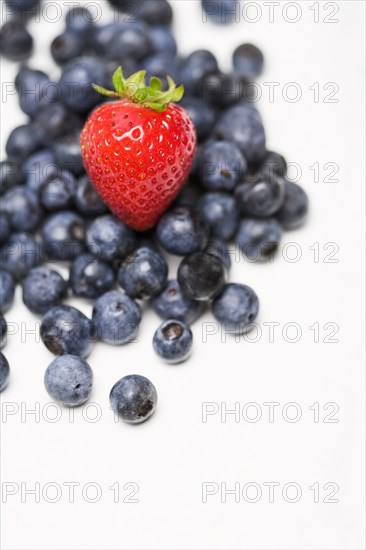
{"points": [[221, 11], [58, 190], [35, 90], [66, 46], [76, 83], [155, 12], [236, 308], [5, 228], [195, 67], [134, 398], [219, 248], [262, 197], [110, 239], [222, 165], [38, 167], [102, 36], [7, 290], [3, 331], [295, 208], [90, 277], [56, 120], [63, 235], [273, 164], [4, 372], [221, 214], [79, 20], [180, 231], [19, 254], [116, 317], [201, 276], [132, 41], [202, 115], [68, 153], [43, 288], [162, 41], [248, 61], [87, 200], [221, 90], [160, 65], [189, 195], [259, 239], [171, 303], [16, 43], [173, 341], [11, 174], [69, 380], [65, 330], [23, 141], [22, 208], [143, 274]]}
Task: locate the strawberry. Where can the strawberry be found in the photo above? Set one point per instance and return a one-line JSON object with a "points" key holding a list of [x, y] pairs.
{"points": [[138, 150]]}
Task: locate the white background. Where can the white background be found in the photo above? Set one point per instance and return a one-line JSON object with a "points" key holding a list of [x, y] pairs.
{"points": [[175, 452]]}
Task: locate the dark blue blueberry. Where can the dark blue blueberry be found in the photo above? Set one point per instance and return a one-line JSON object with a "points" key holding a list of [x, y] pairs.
{"points": [[171, 303], [180, 231], [222, 165], [7, 289], [110, 239], [58, 191], [202, 115], [43, 288], [155, 12], [63, 236], [261, 198], [102, 36], [22, 208], [221, 90], [189, 194], [79, 20], [201, 276], [134, 398], [248, 61], [35, 90], [195, 67], [236, 308], [76, 83], [65, 330], [116, 317], [130, 67], [133, 41], [69, 380], [162, 41], [221, 11], [11, 174], [16, 43], [38, 167], [242, 125], [143, 274], [22, 6], [23, 141], [173, 341], [68, 153], [273, 164], [66, 46], [90, 277], [3, 331], [221, 214], [19, 254], [219, 248], [259, 239], [5, 228], [87, 200], [295, 208], [4, 372], [160, 65], [56, 120]]}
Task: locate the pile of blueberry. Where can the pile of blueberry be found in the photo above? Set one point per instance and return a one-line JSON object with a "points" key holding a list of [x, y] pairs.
{"points": [[237, 192]]}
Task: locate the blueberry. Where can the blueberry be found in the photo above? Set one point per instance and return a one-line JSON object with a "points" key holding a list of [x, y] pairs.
{"points": [[56, 120], [219, 248], [116, 317], [76, 83], [67, 46], [189, 194], [11, 174], [7, 289], [221, 90], [79, 20], [35, 91], [58, 191], [22, 208], [221, 11], [222, 165], [273, 164], [173, 341], [22, 6], [155, 12], [103, 35], [43, 288], [221, 214], [202, 115], [180, 231], [23, 141], [242, 125], [261, 198], [134, 398], [143, 274], [38, 167], [201, 276], [295, 208], [68, 153], [4, 227], [195, 67], [248, 61], [236, 308], [171, 303], [87, 200], [90, 277], [3, 331], [63, 236], [160, 65], [132, 41], [68, 380], [19, 254], [259, 239], [65, 330], [110, 239], [15, 41], [4, 372], [162, 41]]}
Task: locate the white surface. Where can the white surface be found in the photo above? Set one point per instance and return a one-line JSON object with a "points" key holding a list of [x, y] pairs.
{"points": [[175, 452]]}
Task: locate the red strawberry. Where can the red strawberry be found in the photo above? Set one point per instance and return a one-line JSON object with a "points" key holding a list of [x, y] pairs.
{"points": [[138, 150]]}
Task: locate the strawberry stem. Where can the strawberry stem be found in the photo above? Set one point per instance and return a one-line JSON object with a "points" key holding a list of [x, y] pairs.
{"points": [[135, 89]]}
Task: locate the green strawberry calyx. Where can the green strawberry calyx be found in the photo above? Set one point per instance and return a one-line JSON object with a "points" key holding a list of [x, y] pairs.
{"points": [[135, 89]]}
